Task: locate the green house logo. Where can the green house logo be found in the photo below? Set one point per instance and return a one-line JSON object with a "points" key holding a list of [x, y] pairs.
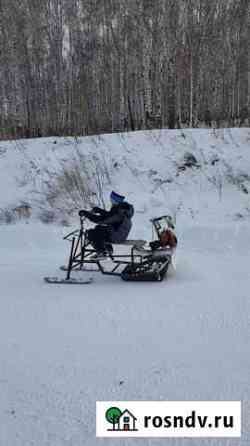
{"points": [[120, 420]]}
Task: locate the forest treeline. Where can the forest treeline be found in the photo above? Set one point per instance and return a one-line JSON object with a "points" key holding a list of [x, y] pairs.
{"points": [[77, 67]]}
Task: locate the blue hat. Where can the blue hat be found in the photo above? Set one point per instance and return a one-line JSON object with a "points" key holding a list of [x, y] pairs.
{"points": [[116, 198]]}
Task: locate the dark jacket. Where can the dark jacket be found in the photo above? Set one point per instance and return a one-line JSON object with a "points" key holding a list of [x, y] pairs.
{"points": [[118, 220]]}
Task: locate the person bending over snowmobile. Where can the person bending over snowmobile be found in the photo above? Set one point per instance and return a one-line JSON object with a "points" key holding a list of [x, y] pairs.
{"points": [[112, 226]]}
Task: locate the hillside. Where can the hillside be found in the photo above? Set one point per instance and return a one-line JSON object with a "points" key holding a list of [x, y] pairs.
{"points": [[149, 167]]}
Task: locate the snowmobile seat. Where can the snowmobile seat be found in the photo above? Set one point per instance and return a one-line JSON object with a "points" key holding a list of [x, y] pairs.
{"points": [[161, 252], [137, 243]]}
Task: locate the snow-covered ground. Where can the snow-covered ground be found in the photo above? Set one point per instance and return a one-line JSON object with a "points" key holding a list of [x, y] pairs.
{"points": [[187, 338]]}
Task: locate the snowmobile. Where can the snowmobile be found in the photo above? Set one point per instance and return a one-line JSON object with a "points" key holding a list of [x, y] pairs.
{"points": [[144, 262]]}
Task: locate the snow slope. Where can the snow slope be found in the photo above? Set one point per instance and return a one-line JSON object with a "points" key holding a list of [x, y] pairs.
{"points": [[145, 166], [63, 348]]}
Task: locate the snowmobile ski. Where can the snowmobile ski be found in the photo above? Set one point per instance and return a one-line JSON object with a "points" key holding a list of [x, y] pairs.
{"points": [[71, 281], [79, 268]]}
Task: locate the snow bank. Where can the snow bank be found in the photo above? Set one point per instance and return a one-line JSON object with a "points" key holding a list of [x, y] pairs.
{"points": [[149, 167]]}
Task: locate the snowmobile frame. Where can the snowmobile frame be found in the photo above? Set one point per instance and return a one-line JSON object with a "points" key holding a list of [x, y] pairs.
{"points": [[138, 265]]}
